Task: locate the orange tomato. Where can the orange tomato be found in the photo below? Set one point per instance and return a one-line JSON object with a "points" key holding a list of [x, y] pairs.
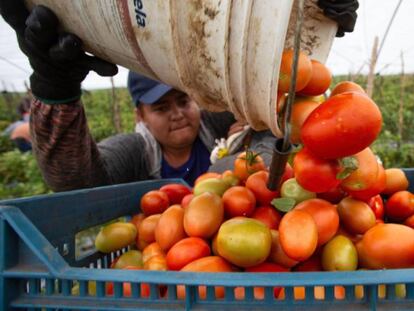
{"points": [[277, 254], [395, 180], [365, 176], [346, 86], [238, 201], [206, 264], [247, 163], [325, 216], [186, 251], [204, 215], [400, 206], [387, 246], [377, 187], [156, 263], [146, 230], [170, 228], [320, 80], [355, 215], [304, 71], [301, 109], [151, 250], [137, 219], [298, 234]]}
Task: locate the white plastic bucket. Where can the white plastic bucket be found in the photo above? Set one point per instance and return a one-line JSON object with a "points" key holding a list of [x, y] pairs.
{"points": [[224, 53]]}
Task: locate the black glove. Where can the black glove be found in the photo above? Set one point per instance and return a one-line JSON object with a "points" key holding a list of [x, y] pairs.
{"points": [[58, 61], [341, 11]]}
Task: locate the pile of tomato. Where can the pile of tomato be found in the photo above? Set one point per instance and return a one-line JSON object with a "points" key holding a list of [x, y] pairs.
{"points": [[337, 207]]}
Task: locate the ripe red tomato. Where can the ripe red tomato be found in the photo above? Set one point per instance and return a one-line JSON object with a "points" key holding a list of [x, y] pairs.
{"points": [[238, 201], [267, 215], [247, 163], [341, 126], [376, 203], [154, 202], [315, 174], [175, 192], [400, 205], [186, 251]]}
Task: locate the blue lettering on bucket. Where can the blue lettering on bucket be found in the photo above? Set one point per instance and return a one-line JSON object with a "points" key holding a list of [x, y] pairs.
{"points": [[139, 13]]}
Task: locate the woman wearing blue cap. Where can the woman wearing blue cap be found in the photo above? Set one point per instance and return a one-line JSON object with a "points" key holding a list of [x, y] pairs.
{"points": [[174, 137]]}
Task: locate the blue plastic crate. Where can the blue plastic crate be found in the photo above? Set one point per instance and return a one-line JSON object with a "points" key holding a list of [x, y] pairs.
{"points": [[38, 266]]}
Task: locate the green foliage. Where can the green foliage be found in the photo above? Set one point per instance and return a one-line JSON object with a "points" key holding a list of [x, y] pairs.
{"points": [[20, 175]]}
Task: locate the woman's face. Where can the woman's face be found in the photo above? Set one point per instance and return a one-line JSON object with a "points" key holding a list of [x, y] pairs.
{"points": [[174, 120]]}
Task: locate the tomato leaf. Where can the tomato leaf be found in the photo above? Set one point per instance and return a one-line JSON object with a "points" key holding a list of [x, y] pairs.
{"points": [[283, 204], [348, 165]]}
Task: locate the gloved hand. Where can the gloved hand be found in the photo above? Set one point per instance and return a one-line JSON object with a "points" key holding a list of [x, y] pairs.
{"points": [[341, 11], [58, 61]]}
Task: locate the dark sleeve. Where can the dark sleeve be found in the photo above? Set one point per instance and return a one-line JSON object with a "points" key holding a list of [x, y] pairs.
{"points": [[123, 156], [218, 122], [65, 150], [70, 159]]}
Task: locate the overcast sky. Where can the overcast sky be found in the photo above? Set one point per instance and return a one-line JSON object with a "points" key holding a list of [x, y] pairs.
{"points": [[349, 54]]}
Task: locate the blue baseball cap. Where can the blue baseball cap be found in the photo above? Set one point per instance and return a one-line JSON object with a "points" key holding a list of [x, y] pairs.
{"points": [[145, 90]]}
